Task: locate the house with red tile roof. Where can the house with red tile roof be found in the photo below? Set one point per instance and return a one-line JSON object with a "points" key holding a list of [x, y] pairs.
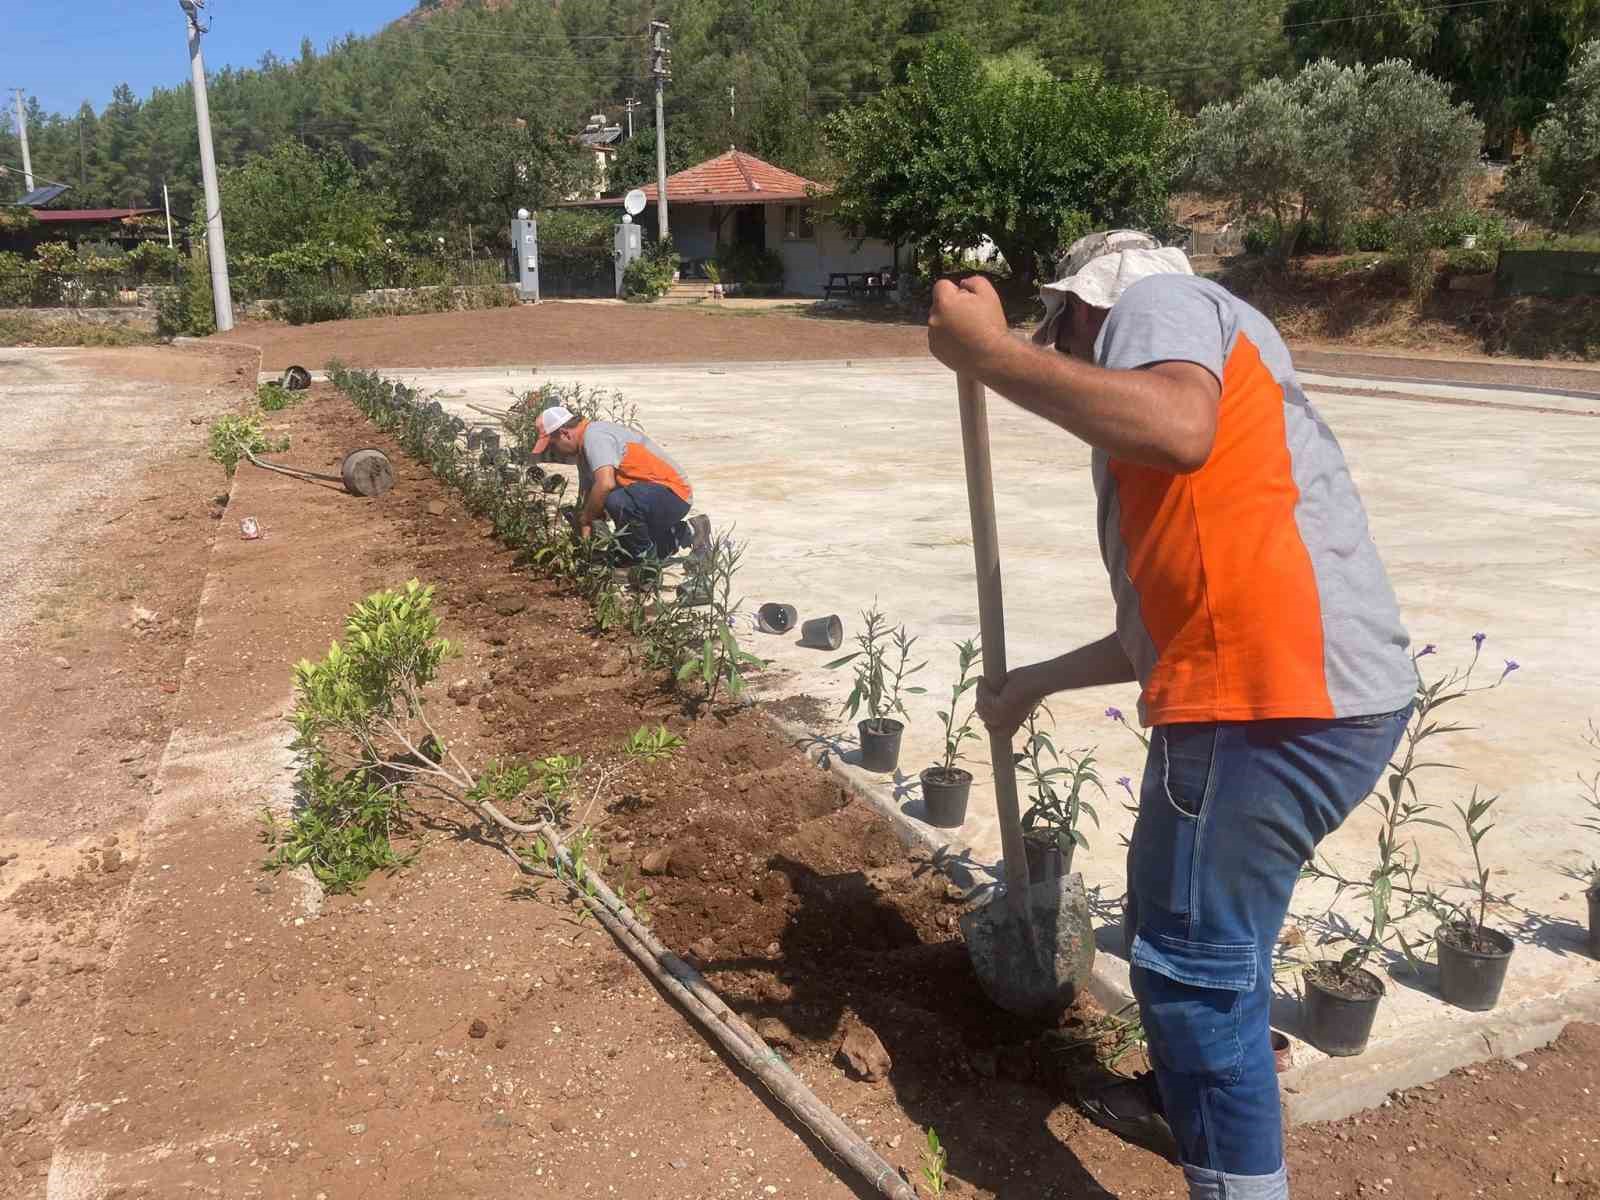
{"points": [[737, 199]]}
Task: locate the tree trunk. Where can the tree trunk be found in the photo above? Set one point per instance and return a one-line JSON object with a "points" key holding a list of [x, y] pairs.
{"points": [[1019, 289]]}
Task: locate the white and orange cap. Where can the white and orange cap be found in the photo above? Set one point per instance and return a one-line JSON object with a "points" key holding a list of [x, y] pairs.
{"points": [[550, 420]]}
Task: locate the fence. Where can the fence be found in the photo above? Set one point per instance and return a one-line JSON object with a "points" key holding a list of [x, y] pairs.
{"points": [[576, 271]]}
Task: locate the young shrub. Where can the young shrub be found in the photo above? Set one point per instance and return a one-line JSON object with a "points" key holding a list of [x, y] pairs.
{"points": [[968, 655], [1057, 805], [1390, 891], [232, 435], [879, 685], [365, 742], [718, 660]]}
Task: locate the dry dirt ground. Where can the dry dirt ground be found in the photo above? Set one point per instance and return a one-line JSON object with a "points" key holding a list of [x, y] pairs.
{"points": [[446, 1032], [560, 332], [532, 335], [109, 524]]}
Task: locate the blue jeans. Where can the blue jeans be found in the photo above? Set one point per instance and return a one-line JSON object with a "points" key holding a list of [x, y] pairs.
{"points": [[648, 518], [1228, 814]]}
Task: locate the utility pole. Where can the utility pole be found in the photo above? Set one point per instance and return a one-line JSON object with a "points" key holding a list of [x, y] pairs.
{"points": [[661, 69], [216, 248], [731, 116], [22, 135], [166, 203], [629, 105]]}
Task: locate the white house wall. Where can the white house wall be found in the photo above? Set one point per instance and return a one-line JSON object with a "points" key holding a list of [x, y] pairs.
{"points": [[807, 264]]}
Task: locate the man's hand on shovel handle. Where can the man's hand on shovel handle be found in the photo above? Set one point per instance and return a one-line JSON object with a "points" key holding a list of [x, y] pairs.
{"points": [[966, 322], [1094, 665], [1005, 710]]}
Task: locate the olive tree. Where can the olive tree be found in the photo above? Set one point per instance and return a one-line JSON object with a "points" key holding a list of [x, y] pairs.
{"points": [[1558, 180], [966, 149], [1333, 141]]}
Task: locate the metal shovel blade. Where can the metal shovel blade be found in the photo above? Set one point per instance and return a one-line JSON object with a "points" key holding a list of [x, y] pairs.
{"points": [[1033, 963]]}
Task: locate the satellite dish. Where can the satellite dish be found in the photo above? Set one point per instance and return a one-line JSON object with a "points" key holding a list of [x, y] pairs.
{"points": [[634, 202]]}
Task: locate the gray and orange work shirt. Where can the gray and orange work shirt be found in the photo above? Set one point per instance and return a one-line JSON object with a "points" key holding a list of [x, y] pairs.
{"points": [[1250, 589], [632, 456]]}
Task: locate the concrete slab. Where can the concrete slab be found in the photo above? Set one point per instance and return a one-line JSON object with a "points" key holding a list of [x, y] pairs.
{"points": [[847, 483]]}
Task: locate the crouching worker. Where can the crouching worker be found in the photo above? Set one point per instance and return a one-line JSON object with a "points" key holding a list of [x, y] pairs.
{"points": [[627, 479]]}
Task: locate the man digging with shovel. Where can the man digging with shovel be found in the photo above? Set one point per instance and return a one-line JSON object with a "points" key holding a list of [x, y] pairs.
{"points": [[1253, 610]]}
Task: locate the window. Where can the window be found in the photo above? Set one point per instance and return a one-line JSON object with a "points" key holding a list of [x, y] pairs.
{"points": [[797, 224]]}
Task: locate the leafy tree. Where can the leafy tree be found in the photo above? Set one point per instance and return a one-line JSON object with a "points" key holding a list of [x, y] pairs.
{"points": [[294, 195], [1332, 141], [1507, 60], [966, 149], [1558, 180], [454, 161]]}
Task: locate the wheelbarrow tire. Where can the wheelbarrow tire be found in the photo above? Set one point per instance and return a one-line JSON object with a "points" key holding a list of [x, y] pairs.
{"points": [[366, 472]]}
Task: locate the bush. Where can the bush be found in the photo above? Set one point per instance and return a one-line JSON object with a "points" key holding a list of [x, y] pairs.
{"points": [[187, 309], [574, 227], [231, 435], [649, 277], [1332, 142], [310, 304], [749, 264], [1440, 230], [1558, 180]]}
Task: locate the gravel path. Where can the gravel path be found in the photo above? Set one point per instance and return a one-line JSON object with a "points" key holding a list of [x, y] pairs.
{"points": [[70, 440]]}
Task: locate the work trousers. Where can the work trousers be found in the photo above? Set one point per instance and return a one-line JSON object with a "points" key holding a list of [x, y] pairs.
{"points": [[648, 518], [1228, 814]]}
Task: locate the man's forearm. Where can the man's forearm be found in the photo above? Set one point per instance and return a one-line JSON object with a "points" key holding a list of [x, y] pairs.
{"points": [[1128, 414], [1094, 665], [594, 505]]}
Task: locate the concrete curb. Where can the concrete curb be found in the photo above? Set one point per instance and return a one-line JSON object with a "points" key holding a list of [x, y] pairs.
{"points": [[1323, 1089], [1331, 1088]]}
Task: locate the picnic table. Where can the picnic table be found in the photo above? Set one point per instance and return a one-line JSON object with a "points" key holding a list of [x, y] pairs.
{"points": [[860, 283]]}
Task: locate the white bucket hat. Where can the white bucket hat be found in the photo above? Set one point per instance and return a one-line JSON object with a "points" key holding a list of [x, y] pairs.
{"points": [[1099, 267]]}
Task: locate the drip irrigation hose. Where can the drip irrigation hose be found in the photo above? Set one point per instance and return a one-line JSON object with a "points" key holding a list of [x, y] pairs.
{"points": [[690, 989], [294, 472]]}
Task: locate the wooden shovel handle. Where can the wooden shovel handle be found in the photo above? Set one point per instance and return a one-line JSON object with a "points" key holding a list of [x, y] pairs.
{"points": [[991, 620]]}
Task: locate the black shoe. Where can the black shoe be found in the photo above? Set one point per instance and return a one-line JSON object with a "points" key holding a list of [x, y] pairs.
{"points": [[1132, 1109]]}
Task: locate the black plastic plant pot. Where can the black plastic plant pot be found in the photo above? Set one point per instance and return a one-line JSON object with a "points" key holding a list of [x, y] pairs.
{"points": [[880, 744], [1044, 857], [1340, 1006], [822, 633], [1472, 966], [1594, 921], [944, 796]]}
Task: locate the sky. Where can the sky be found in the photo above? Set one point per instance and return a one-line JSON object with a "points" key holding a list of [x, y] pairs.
{"points": [[65, 55]]}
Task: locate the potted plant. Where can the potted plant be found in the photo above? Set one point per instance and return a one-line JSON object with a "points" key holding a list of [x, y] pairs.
{"points": [[1473, 958], [1341, 996], [945, 786], [879, 687], [1051, 832], [1591, 799]]}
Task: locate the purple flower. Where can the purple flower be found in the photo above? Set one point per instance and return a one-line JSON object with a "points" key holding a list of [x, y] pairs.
{"points": [[1126, 785], [1430, 648], [1511, 665], [1478, 639], [1114, 713]]}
